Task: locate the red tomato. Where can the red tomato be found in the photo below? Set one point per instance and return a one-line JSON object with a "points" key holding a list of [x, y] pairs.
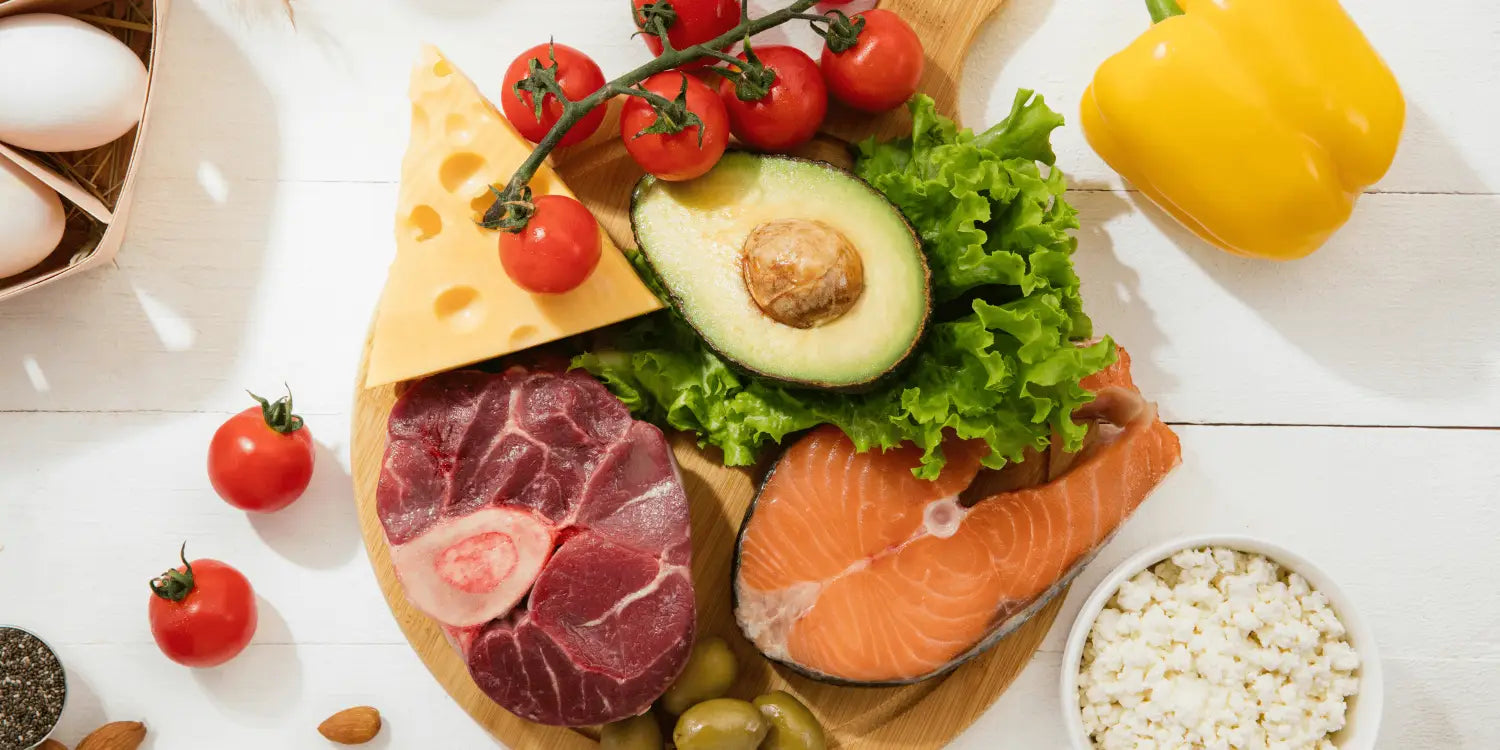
{"points": [[881, 71], [556, 251], [579, 77], [698, 21], [790, 113], [261, 460], [676, 156], [202, 614]]}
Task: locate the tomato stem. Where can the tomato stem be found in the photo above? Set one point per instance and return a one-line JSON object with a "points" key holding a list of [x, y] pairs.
{"points": [[752, 79], [278, 414], [515, 211], [174, 585], [656, 19], [540, 81], [501, 213], [842, 32], [672, 115]]}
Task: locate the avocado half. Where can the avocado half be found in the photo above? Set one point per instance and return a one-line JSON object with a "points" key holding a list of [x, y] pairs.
{"points": [[698, 234]]}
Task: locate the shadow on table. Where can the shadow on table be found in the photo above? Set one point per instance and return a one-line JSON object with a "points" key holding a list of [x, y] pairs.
{"points": [[1112, 290], [1407, 315], [320, 530], [153, 330], [83, 713], [266, 680]]}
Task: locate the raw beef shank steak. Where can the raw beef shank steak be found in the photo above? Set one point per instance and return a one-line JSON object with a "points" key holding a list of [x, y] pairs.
{"points": [[548, 533]]}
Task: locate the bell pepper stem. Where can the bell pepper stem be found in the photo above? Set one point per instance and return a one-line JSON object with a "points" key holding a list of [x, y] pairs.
{"points": [[1161, 10]]}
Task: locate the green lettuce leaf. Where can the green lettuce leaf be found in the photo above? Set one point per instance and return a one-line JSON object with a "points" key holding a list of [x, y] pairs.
{"points": [[1001, 362]]}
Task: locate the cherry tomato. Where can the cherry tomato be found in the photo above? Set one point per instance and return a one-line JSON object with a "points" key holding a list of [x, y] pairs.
{"points": [[697, 21], [882, 70], [261, 460], [578, 75], [556, 251], [203, 613], [790, 113], [676, 156]]}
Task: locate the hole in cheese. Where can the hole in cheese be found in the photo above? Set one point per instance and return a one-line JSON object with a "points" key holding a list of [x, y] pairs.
{"points": [[482, 203], [459, 132], [419, 124], [459, 306], [442, 68], [458, 171], [523, 333], [425, 222]]}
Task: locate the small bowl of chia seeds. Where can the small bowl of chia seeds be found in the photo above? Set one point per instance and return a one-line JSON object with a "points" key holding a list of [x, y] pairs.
{"points": [[33, 689]]}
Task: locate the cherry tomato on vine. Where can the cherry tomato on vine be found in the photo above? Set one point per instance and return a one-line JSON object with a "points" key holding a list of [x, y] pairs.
{"points": [[792, 109], [203, 613], [681, 155], [694, 22], [261, 459], [577, 74], [557, 249], [881, 71]]}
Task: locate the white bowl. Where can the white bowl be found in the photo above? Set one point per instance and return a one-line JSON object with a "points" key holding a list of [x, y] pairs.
{"points": [[1363, 718]]}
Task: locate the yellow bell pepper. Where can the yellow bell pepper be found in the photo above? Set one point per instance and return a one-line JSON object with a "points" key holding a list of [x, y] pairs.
{"points": [[1255, 123]]}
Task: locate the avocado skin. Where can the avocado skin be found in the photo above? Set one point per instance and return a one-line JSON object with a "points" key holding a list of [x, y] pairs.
{"points": [[646, 182]]}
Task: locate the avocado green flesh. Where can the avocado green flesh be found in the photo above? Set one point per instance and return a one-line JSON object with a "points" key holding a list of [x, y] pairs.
{"points": [[694, 232]]}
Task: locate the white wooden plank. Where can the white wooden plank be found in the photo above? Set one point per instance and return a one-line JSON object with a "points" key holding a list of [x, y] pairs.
{"points": [[259, 244], [105, 499], [211, 298], [279, 285], [277, 694], [273, 696], [326, 101], [1389, 325], [109, 498]]}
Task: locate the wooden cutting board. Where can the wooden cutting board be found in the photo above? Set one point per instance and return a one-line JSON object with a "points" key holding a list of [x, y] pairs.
{"points": [[916, 717]]}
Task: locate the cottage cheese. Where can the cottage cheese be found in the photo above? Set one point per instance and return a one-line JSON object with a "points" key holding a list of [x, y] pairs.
{"points": [[1217, 649]]}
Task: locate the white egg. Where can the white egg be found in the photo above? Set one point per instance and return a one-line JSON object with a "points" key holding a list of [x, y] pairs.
{"points": [[67, 86], [31, 219]]}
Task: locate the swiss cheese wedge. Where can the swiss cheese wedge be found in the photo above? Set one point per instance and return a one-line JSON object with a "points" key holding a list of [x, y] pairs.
{"points": [[448, 302]]}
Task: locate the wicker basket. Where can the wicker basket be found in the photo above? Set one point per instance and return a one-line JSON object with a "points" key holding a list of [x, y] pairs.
{"points": [[96, 185]]}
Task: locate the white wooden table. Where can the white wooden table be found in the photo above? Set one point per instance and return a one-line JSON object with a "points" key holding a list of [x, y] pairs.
{"points": [[1345, 406]]}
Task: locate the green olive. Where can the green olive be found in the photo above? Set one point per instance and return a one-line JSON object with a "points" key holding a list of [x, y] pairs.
{"points": [[720, 724], [793, 727], [709, 673], [638, 733]]}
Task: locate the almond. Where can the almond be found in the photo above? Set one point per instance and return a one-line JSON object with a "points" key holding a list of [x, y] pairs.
{"points": [[116, 735], [51, 745], [352, 726]]}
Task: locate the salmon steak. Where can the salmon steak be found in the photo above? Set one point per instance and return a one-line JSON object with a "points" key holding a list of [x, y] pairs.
{"points": [[850, 569]]}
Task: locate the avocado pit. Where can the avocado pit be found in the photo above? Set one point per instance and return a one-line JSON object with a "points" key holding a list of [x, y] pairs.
{"points": [[801, 272]]}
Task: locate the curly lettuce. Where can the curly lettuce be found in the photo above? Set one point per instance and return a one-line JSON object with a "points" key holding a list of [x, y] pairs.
{"points": [[1002, 360]]}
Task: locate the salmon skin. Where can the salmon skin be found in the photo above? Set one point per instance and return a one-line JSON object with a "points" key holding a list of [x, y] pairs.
{"points": [[850, 570]]}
